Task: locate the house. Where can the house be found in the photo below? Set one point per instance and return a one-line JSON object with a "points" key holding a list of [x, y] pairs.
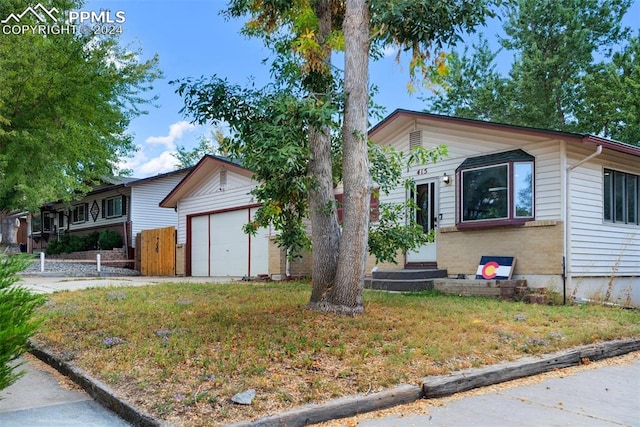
{"points": [[121, 204], [213, 203], [565, 205]]}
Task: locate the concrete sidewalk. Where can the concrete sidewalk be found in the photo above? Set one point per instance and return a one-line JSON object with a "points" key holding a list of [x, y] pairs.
{"points": [[607, 394], [43, 397], [46, 284]]}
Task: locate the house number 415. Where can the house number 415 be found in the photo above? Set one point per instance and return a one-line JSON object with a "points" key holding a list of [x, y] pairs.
{"points": [[422, 171]]}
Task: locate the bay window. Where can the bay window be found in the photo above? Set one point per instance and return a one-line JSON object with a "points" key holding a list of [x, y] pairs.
{"points": [[496, 189]]}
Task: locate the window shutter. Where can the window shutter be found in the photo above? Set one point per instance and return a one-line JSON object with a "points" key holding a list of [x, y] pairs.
{"points": [[124, 205], [104, 214], [86, 212], [415, 139]]}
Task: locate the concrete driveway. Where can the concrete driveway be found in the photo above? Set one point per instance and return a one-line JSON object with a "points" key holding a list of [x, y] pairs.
{"points": [[48, 284]]}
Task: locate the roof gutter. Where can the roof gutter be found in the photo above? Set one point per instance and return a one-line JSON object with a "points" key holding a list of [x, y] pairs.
{"points": [[586, 159], [567, 225]]}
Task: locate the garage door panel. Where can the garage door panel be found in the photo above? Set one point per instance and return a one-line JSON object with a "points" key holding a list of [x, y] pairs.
{"points": [[229, 244], [259, 251], [200, 246]]}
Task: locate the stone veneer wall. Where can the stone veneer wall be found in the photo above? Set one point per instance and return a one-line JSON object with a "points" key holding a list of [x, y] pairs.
{"points": [[537, 247]]}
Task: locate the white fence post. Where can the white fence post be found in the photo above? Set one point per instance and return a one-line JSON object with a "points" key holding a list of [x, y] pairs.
{"points": [[98, 262], [41, 262]]}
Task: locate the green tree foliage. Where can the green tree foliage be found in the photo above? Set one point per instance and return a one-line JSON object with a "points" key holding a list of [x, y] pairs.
{"points": [[206, 145], [611, 94], [65, 103], [17, 324], [575, 70]]}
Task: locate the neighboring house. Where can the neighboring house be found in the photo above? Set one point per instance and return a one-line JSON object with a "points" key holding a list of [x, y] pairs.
{"points": [[121, 204], [565, 205], [213, 204]]}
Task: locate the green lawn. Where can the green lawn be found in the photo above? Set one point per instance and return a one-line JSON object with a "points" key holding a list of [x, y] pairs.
{"points": [[180, 351]]}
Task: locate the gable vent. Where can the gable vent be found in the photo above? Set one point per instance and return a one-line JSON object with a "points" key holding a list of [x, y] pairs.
{"points": [[415, 139], [223, 177]]}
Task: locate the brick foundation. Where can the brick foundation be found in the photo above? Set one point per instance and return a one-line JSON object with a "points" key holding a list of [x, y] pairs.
{"points": [[537, 247]]}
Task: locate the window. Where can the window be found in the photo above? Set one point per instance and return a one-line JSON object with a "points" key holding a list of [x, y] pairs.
{"points": [[496, 188], [48, 222], [36, 224], [113, 207], [621, 197], [79, 213]]}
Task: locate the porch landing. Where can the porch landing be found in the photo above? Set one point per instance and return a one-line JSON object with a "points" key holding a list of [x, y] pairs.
{"points": [[405, 280], [411, 280]]}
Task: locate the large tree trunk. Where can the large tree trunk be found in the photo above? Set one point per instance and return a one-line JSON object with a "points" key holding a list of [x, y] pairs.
{"points": [[325, 231], [346, 296]]}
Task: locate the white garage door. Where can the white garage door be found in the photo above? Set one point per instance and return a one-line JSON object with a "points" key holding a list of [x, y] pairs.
{"points": [[219, 247]]}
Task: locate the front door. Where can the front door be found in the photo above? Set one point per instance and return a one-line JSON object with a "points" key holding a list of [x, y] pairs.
{"points": [[425, 197]]}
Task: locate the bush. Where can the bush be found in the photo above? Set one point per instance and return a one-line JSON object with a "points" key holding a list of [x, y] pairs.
{"points": [[72, 243], [16, 311], [109, 239]]}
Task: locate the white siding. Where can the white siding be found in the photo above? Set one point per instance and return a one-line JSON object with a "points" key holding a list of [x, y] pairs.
{"points": [[463, 142], [99, 221], [146, 214], [209, 196], [600, 248]]}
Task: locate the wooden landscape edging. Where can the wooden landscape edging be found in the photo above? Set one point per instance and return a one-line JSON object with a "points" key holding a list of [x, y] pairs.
{"points": [[340, 408], [101, 392], [446, 385]]}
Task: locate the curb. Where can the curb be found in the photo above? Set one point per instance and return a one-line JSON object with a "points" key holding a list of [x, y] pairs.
{"points": [[79, 275], [431, 387], [102, 393]]}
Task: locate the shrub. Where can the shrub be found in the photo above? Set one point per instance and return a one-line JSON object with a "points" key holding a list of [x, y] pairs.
{"points": [[109, 239], [16, 317], [72, 243], [90, 241]]}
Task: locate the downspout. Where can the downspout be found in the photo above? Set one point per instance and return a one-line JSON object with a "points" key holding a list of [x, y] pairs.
{"points": [[567, 224]]}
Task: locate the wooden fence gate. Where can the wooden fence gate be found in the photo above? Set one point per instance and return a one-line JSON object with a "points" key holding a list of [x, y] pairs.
{"points": [[157, 251]]}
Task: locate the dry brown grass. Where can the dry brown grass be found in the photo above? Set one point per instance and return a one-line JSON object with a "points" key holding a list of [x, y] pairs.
{"points": [[180, 351]]}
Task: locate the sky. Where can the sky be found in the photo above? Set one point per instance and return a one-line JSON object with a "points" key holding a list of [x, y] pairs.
{"points": [[193, 40]]}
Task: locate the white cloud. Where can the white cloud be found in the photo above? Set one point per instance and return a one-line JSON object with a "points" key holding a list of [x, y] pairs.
{"points": [[176, 131], [133, 162], [165, 162]]}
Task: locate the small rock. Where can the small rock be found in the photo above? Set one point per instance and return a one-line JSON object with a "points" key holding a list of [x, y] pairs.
{"points": [[520, 317], [244, 398]]}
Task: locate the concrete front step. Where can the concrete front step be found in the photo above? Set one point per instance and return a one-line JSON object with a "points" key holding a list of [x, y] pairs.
{"points": [[399, 285], [410, 274]]}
